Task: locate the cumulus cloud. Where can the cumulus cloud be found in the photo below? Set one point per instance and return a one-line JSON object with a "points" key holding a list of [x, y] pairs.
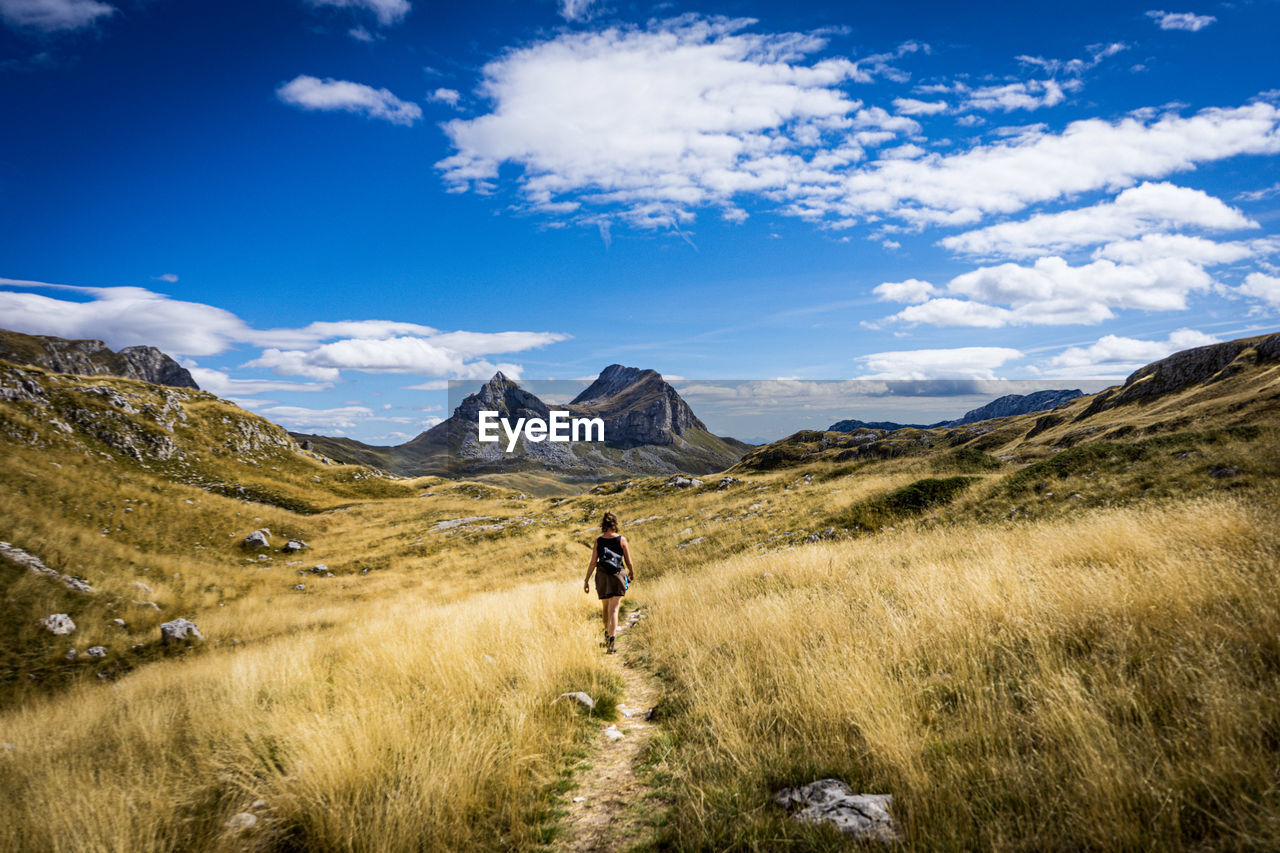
{"points": [[1021, 95], [912, 290], [1053, 292], [388, 12], [128, 316], [1187, 21], [657, 121], [1197, 250], [1263, 287], [914, 107], [1138, 210], [301, 419], [1115, 356], [958, 363], [53, 15], [650, 125], [312, 93], [446, 96]]}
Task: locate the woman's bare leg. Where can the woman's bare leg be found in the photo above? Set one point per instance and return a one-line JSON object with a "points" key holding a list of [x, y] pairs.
{"points": [[611, 615]]}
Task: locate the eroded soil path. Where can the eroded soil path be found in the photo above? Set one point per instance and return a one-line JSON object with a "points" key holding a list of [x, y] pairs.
{"points": [[607, 810]]}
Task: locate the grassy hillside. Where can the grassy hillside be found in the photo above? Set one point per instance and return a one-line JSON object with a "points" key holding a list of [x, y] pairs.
{"points": [[1034, 637]]}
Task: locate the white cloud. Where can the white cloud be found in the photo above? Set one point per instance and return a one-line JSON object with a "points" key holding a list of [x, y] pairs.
{"points": [[1138, 210], [1262, 287], [301, 419], [913, 107], [362, 34], [1259, 195], [1022, 95], [912, 290], [311, 93], [448, 354], [387, 11], [1181, 20], [1053, 292], [577, 10], [650, 125], [218, 382], [958, 363], [1115, 356], [446, 96], [1197, 250], [653, 122], [169, 277], [128, 316], [1097, 53], [53, 15]]}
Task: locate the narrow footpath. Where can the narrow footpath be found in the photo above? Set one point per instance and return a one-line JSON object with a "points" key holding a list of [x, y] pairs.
{"points": [[607, 810]]}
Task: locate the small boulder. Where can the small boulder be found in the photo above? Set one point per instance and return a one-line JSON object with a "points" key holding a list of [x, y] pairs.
{"points": [[581, 698], [612, 733], [97, 652], [242, 821], [179, 631], [71, 654], [257, 539], [58, 624], [294, 545], [863, 816], [119, 623], [300, 587]]}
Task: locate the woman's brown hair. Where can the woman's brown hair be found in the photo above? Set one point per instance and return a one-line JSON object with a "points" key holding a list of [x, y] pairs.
{"points": [[609, 522]]}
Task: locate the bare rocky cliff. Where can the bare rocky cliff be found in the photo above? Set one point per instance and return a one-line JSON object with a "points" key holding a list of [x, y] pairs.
{"points": [[94, 358]]}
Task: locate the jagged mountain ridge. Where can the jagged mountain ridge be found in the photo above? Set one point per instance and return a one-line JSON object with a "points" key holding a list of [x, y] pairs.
{"points": [[649, 430], [1001, 407], [87, 357]]}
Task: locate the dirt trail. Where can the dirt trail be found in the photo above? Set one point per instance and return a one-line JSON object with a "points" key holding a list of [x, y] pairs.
{"points": [[608, 807]]}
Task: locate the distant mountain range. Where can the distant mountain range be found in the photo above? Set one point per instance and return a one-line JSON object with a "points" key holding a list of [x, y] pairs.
{"points": [[1002, 407], [649, 430], [93, 358]]}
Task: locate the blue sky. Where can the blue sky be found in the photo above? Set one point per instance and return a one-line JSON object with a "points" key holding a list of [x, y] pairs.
{"points": [[329, 207]]}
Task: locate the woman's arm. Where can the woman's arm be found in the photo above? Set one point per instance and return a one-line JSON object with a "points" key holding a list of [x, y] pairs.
{"points": [[591, 567], [626, 555]]}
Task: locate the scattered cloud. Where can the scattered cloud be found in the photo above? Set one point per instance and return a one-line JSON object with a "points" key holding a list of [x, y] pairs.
{"points": [[1260, 286], [362, 34], [649, 125], [1260, 195], [218, 382], [1138, 210], [1097, 54], [388, 12], [911, 291], [913, 107], [958, 363], [1187, 21], [169, 277], [1022, 95], [302, 419], [312, 93], [1053, 292], [51, 16], [578, 10], [446, 96], [1115, 356]]}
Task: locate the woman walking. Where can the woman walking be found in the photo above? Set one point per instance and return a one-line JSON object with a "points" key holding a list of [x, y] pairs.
{"points": [[609, 557]]}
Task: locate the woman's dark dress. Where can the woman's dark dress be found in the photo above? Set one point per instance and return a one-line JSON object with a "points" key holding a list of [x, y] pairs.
{"points": [[609, 585]]}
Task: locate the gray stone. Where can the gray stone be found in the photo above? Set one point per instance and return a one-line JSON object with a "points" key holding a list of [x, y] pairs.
{"points": [[300, 587], [294, 545], [257, 539], [59, 624], [242, 821], [97, 652], [148, 604], [119, 623], [581, 698], [30, 561], [179, 631], [863, 816], [71, 654]]}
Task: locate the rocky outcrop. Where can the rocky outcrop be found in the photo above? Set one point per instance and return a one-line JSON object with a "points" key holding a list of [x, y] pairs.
{"points": [[863, 816], [179, 631], [638, 407], [1017, 404], [94, 358], [30, 561], [1182, 370], [58, 624]]}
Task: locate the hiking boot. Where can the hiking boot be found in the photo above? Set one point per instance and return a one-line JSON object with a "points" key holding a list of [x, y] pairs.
{"points": [[611, 649]]}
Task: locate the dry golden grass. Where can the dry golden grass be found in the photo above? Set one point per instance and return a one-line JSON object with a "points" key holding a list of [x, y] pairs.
{"points": [[1110, 681]]}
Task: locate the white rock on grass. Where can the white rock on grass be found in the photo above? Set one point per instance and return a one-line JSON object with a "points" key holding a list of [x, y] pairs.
{"points": [[97, 652], [581, 698], [242, 821], [257, 539], [863, 816], [179, 631], [294, 545], [59, 624], [612, 733]]}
